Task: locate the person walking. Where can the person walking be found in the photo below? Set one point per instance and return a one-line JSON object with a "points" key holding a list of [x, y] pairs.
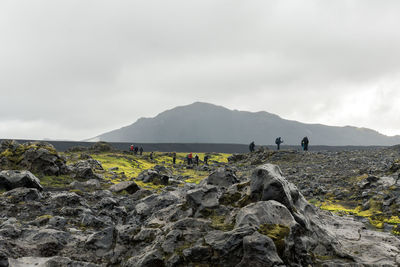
{"points": [[190, 158], [304, 143], [140, 151], [278, 142], [151, 155], [196, 160], [131, 148], [252, 146]]}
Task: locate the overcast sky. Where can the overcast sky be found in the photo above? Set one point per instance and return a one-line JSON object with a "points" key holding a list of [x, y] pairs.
{"points": [[74, 69]]}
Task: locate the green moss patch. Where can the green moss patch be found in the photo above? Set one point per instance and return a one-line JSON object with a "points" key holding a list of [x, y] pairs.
{"points": [[60, 181], [278, 233]]}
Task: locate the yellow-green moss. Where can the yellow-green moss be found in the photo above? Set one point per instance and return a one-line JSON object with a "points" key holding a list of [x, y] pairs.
{"points": [[77, 191], [6, 153], [218, 222], [46, 216], [60, 181], [373, 214], [359, 178], [278, 233], [149, 186]]}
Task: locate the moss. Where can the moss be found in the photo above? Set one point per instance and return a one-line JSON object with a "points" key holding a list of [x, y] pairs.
{"points": [[359, 178], [373, 213], [396, 230], [243, 185], [77, 191], [195, 180], [230, 199], [149, 186], [278, 233], [44, 217], [61, 181], [244, 201], [6, 153], [180, 249], [218, 223]]}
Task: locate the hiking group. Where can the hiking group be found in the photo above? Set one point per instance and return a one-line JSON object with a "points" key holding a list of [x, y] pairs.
{"points": [[136, 149], [278, 141], [190, 158]]}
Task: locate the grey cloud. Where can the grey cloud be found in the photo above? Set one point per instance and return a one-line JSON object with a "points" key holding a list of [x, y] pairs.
{"points": [[99, 65]]}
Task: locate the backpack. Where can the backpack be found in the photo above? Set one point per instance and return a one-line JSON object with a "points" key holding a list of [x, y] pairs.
{"points": [[277, 140]]}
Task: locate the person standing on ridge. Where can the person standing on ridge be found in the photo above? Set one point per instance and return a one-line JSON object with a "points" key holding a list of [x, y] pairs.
{"points": [[140, 151], [278, 142], [196, 160], [173, 158], [205, 159], [131, 148], [136, 150], [304, 143], [151, 155], [252, 146]]}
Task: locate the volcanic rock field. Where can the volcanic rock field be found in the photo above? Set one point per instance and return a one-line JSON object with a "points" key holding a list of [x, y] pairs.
{"points": [[99, 206]]}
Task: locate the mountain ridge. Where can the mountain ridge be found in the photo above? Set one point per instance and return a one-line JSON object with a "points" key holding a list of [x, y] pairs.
{"points": [[201, 122]]}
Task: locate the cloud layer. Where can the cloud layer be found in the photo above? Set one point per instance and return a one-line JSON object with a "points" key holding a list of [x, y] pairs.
{"points": [[75, 69]]}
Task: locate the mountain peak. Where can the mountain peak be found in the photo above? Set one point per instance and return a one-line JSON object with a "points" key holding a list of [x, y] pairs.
{"points": [[202, 122]]}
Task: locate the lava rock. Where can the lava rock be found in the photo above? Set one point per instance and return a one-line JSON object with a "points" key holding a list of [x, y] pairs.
{"points": [[21, 194], [128, 186], [223, 177], [13, 179]]}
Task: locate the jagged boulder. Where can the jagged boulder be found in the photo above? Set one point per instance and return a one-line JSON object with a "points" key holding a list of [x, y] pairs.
{"points": [[37, 157], [101, 147], [153, 176], [264, 212], [267, 183], [237, 157], [23, 194], [102, 241], [85, 169], [223, 177], [89, 184], [228, 246], [205, 197], [259, 251], [128, 186], [12, 179]]}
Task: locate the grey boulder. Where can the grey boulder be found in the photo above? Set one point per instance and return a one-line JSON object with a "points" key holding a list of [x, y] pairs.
{"points": [[223, 177], [13, 179], [128, 186]]}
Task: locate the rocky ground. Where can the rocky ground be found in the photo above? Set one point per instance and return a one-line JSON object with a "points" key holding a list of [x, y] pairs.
{"points": [[99, 207]]}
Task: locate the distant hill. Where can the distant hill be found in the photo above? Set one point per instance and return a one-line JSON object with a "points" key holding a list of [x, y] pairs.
{"points": [[208, 123]]}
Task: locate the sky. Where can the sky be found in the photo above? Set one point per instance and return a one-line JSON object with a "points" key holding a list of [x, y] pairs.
{"points": [[75, 69]]}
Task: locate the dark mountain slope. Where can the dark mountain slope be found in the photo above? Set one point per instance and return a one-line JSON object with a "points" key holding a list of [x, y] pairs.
{"points": [[207, 123]]}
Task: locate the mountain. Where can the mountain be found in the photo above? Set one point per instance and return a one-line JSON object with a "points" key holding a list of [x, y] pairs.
{"points": [[208, 123]]}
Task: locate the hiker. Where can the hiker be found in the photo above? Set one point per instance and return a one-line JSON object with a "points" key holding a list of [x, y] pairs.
{"points": [[136, 150], [173, 158], [304, 143], [278, 142], [252, 146], [205, 159], [190, 158], [131, 148], [140, 151], [151, 155], [196, 160]]}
